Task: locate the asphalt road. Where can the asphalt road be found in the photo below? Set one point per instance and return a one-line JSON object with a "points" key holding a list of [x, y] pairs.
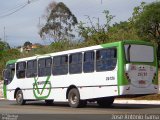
{"points": [[62, 111]]}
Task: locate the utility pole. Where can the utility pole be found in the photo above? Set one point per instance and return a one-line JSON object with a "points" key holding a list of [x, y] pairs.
{"points": [[4, 30], [29, 2], [39, 21]]}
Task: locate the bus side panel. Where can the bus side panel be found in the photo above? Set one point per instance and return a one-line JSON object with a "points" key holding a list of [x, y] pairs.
{"points": [[98, 92], [10, 94], [90, 85]]}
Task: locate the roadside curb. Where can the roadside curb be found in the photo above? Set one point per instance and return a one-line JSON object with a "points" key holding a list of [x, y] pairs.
{"points": [[156, 102]]}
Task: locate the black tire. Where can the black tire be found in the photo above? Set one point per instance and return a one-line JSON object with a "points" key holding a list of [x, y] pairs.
{"points": [[49, 102], [105, 102], [74, 99], [19, 98]]}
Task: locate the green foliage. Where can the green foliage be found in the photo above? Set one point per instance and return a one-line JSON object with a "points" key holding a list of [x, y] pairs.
{"points": [[4, 45], [123, 31], [146, 18], [60, 22], [95, 33]]}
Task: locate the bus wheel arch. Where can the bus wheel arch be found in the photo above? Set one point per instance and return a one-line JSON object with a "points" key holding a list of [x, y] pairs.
{"points": [[19, 97], [16, 92], [69, 88], [73, 97]]}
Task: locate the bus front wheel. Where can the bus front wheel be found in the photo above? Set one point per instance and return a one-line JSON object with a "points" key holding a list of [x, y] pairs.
{"points": [[19, 98], [74, 99]]}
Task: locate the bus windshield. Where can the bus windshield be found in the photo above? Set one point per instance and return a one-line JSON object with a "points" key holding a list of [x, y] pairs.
{"points": [[139, 53]]}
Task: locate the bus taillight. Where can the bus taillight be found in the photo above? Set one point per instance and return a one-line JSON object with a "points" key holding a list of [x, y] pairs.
{"points": [[154, 77], [127, 76]]}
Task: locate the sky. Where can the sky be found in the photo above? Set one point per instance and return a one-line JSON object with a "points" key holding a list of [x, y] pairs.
{"points": [[23, 25]]}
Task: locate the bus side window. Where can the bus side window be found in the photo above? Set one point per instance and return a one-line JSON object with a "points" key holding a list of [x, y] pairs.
{"points": [[60, 65], [44, 67], [106, 59], [21, 68], [88, 64], [75, 63], [31, 69]]}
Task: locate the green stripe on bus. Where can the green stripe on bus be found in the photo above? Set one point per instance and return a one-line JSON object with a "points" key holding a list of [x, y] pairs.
{"points": [[4, 91], [11, 61], [107, 45]]}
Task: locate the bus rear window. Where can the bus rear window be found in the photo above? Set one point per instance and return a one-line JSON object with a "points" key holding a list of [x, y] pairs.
{"points": [[139, 53]]}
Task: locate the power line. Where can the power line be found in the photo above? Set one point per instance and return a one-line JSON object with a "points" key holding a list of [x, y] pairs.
{"points": [[13, 11], [18, 8]]}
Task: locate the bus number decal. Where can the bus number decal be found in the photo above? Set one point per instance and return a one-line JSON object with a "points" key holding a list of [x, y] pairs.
{"points": [[142, 74], [110, 78]]}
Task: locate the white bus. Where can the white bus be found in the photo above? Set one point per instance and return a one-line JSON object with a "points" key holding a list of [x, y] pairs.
{"points": [[97, 73]]}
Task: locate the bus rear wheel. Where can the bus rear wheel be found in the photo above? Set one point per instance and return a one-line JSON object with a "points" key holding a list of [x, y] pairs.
{"points": [[19, 98], [74, 99], [105, 102]]}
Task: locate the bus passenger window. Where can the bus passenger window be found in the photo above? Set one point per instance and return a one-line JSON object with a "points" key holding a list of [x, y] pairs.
{"points": [[88, 64], [44, 67], [106, 59], [31, 69], [75, 63], [21, 68], [60, 65]]}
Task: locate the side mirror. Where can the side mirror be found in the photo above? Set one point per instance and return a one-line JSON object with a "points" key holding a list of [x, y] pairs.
{"points": [[7, 75]]}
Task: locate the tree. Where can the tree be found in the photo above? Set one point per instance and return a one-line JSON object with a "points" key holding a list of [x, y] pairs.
{"points": [[27, 44], [4, 45], [123, 31], [95, 33], [146, 18], [60, 22]]}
